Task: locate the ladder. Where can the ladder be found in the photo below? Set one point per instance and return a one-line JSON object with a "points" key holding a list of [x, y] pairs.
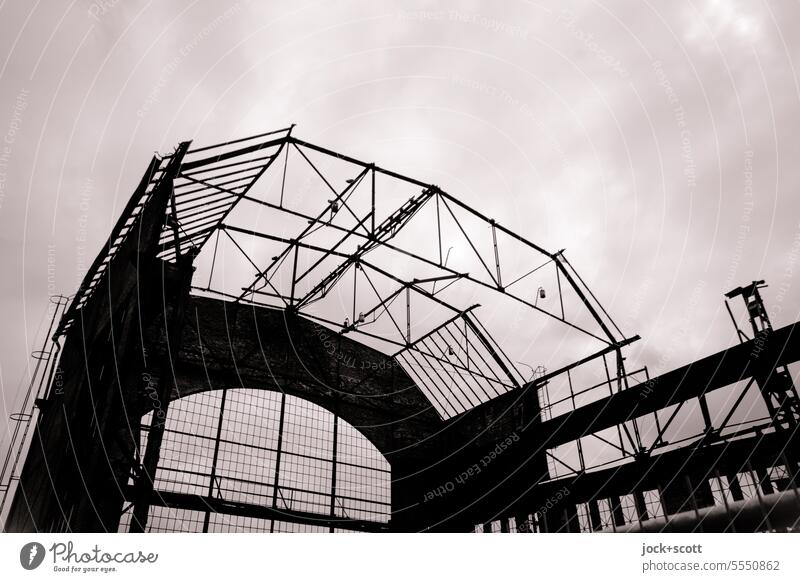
{"points": [[41, 378]]}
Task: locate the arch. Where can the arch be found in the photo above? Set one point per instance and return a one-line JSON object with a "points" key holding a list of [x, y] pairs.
{"points": [[247, 459], [227, 345]]}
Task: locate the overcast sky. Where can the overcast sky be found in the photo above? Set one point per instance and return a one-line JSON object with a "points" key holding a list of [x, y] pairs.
{"points": [[657, 142]]}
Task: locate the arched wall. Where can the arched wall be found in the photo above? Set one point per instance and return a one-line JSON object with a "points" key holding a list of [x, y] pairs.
{"points": [[230, 345]]}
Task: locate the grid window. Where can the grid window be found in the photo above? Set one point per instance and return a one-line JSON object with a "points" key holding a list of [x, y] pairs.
{"points": [[748, 484], [228, 445], [606, 512], [584, 520], [167, 519], [628, 505], [720, 490], [652, 502], [779, 477]]}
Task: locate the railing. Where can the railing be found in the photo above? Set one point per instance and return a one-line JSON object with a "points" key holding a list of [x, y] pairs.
{"points": [[44, 371]]}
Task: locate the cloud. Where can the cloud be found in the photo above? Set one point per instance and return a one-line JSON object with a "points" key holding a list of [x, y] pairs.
{"points": [[553, 119]]}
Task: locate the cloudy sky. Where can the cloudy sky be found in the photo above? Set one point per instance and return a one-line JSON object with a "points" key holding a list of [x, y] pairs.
{"points": [[656, 142]]}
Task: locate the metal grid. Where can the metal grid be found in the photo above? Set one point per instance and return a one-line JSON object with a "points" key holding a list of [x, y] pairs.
{"points": [[363, 477], [236, 445], [211, 181]]}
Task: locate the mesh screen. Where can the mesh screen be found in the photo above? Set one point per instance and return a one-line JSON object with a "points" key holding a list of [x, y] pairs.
{"points": [[265, 450]]}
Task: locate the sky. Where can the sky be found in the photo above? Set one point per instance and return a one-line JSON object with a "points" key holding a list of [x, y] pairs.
{"points": [[655, 142]]}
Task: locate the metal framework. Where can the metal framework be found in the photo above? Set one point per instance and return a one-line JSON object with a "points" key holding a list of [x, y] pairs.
{"points": [[344, 236]]}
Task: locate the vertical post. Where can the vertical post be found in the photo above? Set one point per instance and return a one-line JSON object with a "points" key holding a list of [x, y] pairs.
{"points": [[560, 294], [145, 483], [372, 166], [705, 412], [283, 178], [641, 506], [766, 521], [622, 383], [611, 392], [693, 499], [408, 315], [724, 495], [278, 460], [663, 499], [594, 515], [571, 518], [496, 256], [735, 487], [355, 291], [213, 259], [791, 484], [294, 273], [765, 481], [215, 457], [578, 441], [161, 197], [617, 517], [333, 467], [439, 230]]}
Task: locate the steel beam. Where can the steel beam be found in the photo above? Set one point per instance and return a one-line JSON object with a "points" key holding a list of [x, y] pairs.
{"points": [[199, 503], [716, 371]]}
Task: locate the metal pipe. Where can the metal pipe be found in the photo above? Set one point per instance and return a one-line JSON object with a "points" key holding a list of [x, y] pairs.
{"points": [[747, 515]]}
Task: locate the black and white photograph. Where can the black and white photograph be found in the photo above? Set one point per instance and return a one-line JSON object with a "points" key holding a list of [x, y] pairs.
{"points": [[415, 270]]}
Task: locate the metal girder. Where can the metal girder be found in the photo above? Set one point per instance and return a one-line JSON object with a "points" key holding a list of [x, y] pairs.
{"points": [[647, 473], [373, 236], [214, 505], [386, 230], [211, 181], [716, 371]]}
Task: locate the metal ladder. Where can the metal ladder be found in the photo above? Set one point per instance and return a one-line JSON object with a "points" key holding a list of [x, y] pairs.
{"points": [[41, 378]]}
